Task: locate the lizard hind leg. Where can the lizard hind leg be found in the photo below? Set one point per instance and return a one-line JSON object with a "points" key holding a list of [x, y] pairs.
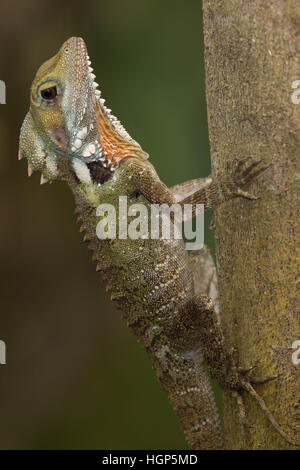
{"points": [[223, 363]]}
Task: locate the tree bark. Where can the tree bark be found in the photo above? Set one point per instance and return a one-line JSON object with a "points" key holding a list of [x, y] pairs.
{"points": [[252, 57]]}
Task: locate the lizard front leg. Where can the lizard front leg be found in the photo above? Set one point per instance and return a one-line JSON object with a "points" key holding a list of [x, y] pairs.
{"points": [[200, 191], [183, 190], [217, 192]]}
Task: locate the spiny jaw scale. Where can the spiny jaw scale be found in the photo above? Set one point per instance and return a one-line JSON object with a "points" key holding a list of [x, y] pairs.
{"points": [[91, 140], [85, 141], [117, 126]]}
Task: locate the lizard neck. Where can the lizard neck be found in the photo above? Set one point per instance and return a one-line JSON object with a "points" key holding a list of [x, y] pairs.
{"points": [[114, 147]]}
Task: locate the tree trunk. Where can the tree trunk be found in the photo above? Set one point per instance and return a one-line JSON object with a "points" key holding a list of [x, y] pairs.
{"points": [[252, 57]]}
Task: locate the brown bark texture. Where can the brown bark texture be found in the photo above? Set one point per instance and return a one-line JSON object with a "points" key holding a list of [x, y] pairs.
{"points": [[252, 58]]}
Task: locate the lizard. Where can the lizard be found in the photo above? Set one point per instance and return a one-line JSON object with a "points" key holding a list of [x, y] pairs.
{"points": [[70, 135]]}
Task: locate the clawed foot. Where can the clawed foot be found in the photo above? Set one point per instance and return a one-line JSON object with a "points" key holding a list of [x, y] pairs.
{"points": [[241, 379], [246, 374], [244, 171]]}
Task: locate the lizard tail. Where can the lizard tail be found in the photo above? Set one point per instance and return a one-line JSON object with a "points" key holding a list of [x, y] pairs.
{"points": [[189, 390]]}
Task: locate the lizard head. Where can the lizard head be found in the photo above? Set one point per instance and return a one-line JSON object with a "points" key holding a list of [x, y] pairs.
{"points": [[68, 131]]}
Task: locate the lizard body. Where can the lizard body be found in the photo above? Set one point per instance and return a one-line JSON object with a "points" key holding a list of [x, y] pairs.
{"points": [[69, 135]]}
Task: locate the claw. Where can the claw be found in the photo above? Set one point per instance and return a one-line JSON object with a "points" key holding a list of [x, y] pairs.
{"points": [[245, 172], [43, 180], [248, 174], [246, 370], [258, 171], [245, 194], [252, 164], [257, 381], [239, 164], [30, 171]]}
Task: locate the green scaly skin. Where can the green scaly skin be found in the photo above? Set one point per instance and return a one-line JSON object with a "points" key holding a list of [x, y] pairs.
{"points": [[69, 135]]}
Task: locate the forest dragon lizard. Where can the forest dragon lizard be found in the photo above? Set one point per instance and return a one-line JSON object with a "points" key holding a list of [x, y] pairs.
{"points": [[70, 135]]}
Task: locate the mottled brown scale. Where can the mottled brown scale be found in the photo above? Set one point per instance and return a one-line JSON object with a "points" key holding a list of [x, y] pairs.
{"points": [[161, 293], [150, 312]]}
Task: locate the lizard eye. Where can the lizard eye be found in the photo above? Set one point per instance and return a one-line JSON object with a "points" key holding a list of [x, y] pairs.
{"points": [[49, 93]]}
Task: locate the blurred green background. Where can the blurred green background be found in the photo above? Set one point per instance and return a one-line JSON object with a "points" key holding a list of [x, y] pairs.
{"points": [[75, 377]]}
